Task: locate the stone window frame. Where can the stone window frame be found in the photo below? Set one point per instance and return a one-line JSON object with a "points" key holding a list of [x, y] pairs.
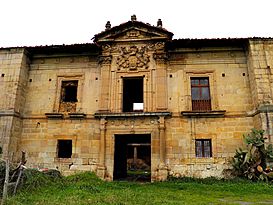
{"points": [[212, 85], [202, 147], [118, 90], [70, 77], [74, 150], [204, 160]]}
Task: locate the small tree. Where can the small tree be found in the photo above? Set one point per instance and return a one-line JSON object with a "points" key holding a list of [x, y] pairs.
{"points": [[251, 162]]}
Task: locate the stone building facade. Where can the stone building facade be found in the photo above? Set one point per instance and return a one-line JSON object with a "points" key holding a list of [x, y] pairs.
{"points": [[135, 96]]}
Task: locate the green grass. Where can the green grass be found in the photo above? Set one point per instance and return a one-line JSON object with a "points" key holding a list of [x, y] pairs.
{"points": [[86, 188]]}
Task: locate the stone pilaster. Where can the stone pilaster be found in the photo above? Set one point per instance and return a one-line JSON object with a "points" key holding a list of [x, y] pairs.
{"points": [[161, 58], [105, 64], [101, 169], [260, 68], [260, 72], [14, 68], [162, 169]]}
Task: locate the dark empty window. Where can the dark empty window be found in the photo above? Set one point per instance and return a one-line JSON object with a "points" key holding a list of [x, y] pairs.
{"points": [[200, 94], [69, 91], [203, 148], [132, 94], [64, 148]]}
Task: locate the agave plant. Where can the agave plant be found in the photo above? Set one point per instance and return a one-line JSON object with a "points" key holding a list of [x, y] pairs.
{"points": [[251, 162]]}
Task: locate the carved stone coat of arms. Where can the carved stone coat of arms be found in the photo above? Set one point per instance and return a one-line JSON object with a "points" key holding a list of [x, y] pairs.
{"points": [[133, 57]]}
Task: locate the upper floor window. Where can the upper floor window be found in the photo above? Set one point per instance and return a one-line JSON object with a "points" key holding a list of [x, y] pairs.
{"points": [[69, 91], [200, 94], [68, 97], [203, 148], [132, 94]]}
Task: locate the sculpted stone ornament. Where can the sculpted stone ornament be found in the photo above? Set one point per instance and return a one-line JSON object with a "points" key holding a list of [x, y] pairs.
{"points": [[105, 59], [133, 34], [133, 57], [162, 56]]}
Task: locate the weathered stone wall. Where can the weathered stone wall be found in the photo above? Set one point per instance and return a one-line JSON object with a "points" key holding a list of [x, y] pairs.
{"points": [[14, 72], [230, 91], [227, 72], [226, 136], [45, 75], [260, 66], [40, 141], [241, 87], [40, 134]]}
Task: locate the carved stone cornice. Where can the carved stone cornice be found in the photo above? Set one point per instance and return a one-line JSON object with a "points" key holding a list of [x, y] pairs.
{"points": [[162, 56], [106, 48], [159, 46], [105, 60], [133, 57]]}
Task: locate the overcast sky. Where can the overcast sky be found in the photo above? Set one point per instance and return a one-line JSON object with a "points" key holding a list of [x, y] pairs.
{"points": [[48, 22]]}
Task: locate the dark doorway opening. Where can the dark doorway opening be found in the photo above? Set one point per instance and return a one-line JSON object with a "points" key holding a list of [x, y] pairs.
{"points": [[132, 94], [132, 159]]}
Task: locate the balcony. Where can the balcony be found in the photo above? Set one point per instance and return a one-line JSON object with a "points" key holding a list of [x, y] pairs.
{"points": [[201, 105]]}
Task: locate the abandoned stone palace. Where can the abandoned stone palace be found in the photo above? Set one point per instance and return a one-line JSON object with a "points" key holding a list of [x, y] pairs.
{"points": [[135, 99]]}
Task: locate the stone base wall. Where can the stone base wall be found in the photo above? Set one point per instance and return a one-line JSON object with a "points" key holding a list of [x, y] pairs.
{"points": [[40, 138], [199, 170]]}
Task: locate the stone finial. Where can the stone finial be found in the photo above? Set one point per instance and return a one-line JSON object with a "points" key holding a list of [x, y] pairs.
{"points": [[133, 17], [108, 25], [159, 23]]}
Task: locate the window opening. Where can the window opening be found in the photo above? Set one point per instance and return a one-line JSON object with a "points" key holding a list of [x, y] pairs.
{"points": [[64, 148], [68, 97], [132, 94], [69, 91], [203, 148], [200, 94]]}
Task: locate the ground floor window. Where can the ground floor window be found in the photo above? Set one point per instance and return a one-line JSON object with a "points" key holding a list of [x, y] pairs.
{"points": [[64, 148], [203, 148]]}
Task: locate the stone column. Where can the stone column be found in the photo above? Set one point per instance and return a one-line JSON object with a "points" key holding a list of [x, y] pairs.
{"points": [[101, 169], [162, 169]]}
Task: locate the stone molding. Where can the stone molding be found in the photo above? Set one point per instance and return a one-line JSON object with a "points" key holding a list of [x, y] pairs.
{"points": [[211, 113], [136, 114]]}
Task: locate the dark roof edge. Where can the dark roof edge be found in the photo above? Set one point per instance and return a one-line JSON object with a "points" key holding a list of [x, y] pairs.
{"points": [[95, 46]]}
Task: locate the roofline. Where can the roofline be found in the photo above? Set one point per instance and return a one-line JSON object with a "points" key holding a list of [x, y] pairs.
{"points": [[117, 28], [95, 46]]}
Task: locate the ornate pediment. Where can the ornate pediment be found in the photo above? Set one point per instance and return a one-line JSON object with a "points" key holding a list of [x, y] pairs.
{"points": [[133, 31]]}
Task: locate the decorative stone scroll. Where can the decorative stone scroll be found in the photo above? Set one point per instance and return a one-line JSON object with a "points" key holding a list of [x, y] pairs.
{"points": [[105, 59], [133, 57]]}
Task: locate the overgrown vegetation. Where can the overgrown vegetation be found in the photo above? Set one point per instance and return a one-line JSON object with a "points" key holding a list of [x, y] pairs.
{"points": [[31, 178], [253, 161], [86, 188]]}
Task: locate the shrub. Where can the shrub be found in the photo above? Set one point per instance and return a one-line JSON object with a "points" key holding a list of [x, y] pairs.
{"points": [[251, 161]]}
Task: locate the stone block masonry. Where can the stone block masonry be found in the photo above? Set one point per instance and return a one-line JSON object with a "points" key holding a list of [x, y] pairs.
{"points": [[69, 108]]}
